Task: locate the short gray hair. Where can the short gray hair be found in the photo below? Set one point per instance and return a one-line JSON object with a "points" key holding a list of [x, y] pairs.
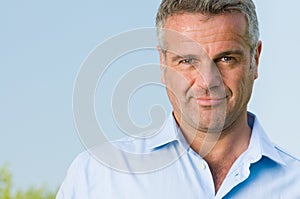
{"points": [[210, 8]]}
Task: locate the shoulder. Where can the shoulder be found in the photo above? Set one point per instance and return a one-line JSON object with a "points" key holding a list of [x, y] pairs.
{"points": [[79, 167], [81, 159], [80, 176], [289, 159], [80, 162]]}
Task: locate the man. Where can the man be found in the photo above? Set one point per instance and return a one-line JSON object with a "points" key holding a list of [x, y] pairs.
{"points": [[209, 54]]}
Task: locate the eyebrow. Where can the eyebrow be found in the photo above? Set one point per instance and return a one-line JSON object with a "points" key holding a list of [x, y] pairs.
{"points": [[230, 52], [188, 56]]}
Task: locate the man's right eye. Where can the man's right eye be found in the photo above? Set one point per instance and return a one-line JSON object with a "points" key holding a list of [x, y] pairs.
{"points": [[187, 61]]}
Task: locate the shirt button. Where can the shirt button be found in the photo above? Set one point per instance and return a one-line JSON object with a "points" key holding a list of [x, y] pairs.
{"points": [[202, 166]]}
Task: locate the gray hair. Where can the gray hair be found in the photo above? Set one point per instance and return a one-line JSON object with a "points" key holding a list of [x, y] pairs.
{"points": [[210, 8]]}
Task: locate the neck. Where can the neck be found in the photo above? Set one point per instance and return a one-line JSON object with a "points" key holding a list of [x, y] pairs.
{"points": [[232, 139], [220, 150]]}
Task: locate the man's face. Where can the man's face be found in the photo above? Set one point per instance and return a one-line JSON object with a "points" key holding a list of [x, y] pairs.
{"points": [[208, 72]]}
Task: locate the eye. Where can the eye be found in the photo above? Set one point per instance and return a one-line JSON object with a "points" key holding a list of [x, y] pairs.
{"points": [[187, 61], [228, 60]]}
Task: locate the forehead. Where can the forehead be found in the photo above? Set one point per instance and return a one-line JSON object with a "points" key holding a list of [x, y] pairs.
{"points": [[211, 33], [198, 21]]}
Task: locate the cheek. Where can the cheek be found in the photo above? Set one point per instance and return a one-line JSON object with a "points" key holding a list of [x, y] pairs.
{"points": [[176, 82], [239, 86], [234, 82]]}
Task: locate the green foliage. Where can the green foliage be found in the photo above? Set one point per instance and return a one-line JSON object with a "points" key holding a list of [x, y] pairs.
{"points": [[5, 183], [31, 193]]}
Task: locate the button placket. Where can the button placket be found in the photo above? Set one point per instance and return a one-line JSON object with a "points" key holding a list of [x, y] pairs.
{"points": [[205, 176]]}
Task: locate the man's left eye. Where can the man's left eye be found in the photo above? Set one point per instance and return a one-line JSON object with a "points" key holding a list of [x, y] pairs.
{"points": [[227, 59]]}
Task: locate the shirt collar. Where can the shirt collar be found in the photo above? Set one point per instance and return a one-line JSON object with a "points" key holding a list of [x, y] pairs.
{"points": [[169, 132], [260, 144]]}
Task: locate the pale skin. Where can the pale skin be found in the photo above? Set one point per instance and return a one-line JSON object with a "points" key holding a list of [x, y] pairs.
{"points": [[209, 76]]}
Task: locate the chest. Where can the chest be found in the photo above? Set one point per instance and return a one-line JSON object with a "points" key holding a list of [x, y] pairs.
{"points": [[219, 173], [187, 178]]}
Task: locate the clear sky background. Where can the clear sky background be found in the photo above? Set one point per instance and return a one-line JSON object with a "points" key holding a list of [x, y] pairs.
{"points": [[43, 43]]}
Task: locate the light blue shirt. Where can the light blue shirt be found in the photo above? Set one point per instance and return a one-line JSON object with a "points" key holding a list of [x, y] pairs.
{"points": [[263, 171]]}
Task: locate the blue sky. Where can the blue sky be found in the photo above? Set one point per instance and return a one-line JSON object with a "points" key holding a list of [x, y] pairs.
{"points": [[43, 44]]}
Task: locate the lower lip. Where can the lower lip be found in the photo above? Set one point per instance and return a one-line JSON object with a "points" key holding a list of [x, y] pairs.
{"points": [[210, 102]]}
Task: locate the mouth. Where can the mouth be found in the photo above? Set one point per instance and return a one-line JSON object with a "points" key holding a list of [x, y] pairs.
{"points": [[210, 102]]}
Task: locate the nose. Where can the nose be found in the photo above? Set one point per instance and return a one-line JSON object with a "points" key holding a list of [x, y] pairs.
{"points": [[207, 76]]}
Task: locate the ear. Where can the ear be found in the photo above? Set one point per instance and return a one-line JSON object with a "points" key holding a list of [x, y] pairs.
{"points": [[162, 63], [257, 57]]}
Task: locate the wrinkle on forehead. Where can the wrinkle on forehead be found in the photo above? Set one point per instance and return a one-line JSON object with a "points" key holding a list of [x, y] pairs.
{"points": [[207, 31], [179, 20]]}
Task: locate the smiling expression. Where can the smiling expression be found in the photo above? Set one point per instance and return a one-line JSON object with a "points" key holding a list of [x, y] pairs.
{"points": [[207, 69]]}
